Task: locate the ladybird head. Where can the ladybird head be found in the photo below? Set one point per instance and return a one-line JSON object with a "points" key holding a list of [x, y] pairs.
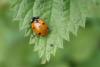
{"points": [[34, 19]]}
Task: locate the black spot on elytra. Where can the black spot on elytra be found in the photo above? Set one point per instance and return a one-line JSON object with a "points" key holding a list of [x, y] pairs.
{"points": [[43, 23], [39, 33], [47, 28], [33, 27]]}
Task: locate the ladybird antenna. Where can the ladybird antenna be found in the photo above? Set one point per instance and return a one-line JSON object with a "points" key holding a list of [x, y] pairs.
{"points": [[34, 18]]}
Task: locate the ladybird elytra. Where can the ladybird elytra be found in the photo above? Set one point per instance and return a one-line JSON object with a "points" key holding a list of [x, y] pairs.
{"points": [[39, 26]]}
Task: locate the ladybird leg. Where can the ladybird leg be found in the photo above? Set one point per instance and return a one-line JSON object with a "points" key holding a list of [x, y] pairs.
{"points": [[33, 18]]}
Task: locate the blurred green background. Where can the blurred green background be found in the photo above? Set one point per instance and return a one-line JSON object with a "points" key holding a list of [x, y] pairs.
{"points": [[82, 51]]}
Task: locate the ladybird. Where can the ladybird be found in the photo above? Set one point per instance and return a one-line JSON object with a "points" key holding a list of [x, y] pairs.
{"points": [[39, 26]]}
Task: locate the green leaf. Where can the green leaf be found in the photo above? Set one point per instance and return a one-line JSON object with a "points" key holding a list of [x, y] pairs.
{"points": [[62, 17]]}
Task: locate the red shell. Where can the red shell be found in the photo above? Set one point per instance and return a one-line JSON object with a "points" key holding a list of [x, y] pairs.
{"points": [[40, 27]]}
